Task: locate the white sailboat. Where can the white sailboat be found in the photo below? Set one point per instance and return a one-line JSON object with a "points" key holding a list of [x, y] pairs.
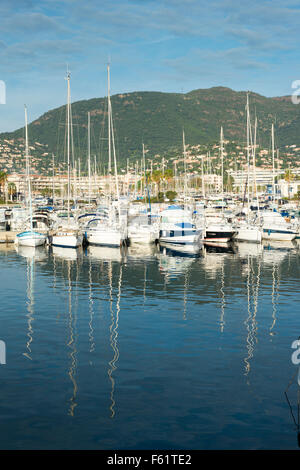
{"points": [[217, 228], [274, 226], [68, 234], [110, 231], [246, 230], [29, 237]]}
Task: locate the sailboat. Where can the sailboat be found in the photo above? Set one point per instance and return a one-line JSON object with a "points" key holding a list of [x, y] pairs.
{"points": [[109, 230], [29, 237], [274, 226], [68, 235], [217, 228], [247, 231]]}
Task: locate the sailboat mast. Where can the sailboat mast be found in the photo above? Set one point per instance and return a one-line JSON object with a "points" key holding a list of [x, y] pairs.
{"points": [[273, 163], [68, 141], [28, 168], [53, 191], [89, 155], [222, 162], [184, 159], [248, 156], [109, 127]]}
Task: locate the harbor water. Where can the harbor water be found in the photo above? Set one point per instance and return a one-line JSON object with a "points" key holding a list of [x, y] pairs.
{"points": [[149, 348]]}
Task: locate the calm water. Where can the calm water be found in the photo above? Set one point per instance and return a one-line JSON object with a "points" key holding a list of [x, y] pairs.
{"points": [[145, 349]]}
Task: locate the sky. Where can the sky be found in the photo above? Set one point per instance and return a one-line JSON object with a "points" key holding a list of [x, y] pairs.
{"points": [[152, 45]]}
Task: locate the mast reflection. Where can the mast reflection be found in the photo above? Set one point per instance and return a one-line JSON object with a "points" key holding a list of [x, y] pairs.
{"points": [[114, 334], [72, 323], [253, 283]]}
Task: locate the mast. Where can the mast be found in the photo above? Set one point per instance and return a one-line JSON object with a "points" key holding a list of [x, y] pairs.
{"points": [[222, 162], [111, 135], [28, 168], [202, 172], [273, 163], [144, 170], [68, 140], [184, 160], [109, 129], [95, 175], [53, 179], [89, 155], [248, 157]]}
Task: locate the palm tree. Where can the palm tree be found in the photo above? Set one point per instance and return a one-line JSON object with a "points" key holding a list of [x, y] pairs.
{"points": [[3, 179]]}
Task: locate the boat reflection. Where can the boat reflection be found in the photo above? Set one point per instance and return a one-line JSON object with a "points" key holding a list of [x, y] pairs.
{"points": [[276, 251], [35, 252], [145, 252], [30, 306], [173, 264], [72, 341], [114, 314], [219, 247], [70, 254], [192, 250], [105, 253], [253, 273], [244, 249]]}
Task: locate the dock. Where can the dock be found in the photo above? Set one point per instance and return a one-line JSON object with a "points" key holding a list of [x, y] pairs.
{"points": [[7, 237]]}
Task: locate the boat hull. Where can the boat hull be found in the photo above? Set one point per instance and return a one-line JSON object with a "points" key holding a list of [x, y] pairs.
{"points": [[248, 235], [67, 240], [104, 238], [278, 235], [218, 236], [179, 237], [30, 239]]}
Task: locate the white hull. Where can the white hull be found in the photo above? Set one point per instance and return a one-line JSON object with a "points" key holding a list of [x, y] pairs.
{"points": [[68, 240], [247, 234], [142, 237], [30, 239], [181, 240], [105, 237], [280, 235], [217, 240]]}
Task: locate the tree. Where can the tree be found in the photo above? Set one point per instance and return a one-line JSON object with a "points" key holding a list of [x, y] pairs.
{"points": [[3, 179], [171, 195], [288, 176]]}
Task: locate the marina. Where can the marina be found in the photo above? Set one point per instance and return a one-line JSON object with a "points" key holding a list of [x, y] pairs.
{"points": [[150, 229], [147, 347]]}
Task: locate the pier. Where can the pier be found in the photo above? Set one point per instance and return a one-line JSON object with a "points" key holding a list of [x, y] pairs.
{"points": [[7, 237]]}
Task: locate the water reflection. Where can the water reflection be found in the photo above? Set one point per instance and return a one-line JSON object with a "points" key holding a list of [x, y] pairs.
{"points": [[175, 263], [31, 254], [225, 295], [105, 253], [114, 313], [253, 274], [71, 344]]}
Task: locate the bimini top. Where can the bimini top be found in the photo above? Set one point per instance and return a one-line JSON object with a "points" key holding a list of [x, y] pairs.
{"points": [[173, 207], [185, 225]]}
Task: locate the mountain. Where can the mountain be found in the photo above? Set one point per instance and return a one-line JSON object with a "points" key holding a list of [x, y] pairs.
{"points": [[157, 119]]}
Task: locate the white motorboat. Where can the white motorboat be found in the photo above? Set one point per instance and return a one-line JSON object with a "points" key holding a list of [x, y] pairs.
{"points": [[275, 227], [177, 226], [143, 229]]}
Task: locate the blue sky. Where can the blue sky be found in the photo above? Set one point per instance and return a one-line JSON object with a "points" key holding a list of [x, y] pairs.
{"points": [[161, 45]]}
